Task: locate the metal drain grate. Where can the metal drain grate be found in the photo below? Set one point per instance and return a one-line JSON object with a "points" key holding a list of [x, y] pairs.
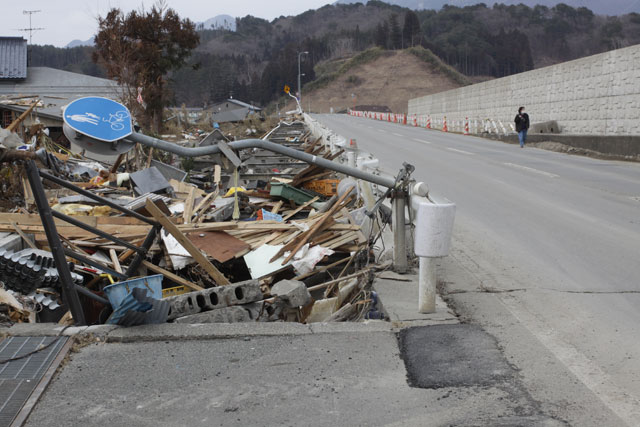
{"points": [[19, 378]]}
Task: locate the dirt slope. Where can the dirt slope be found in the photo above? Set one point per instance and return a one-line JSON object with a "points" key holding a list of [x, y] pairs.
{"points": [[391, 79]]}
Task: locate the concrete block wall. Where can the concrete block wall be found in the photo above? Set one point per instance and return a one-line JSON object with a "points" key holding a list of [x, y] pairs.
{"points": [[596, 95]]}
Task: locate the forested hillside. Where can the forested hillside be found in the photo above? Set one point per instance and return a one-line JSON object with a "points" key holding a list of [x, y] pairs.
{"points": [[254, 62]]}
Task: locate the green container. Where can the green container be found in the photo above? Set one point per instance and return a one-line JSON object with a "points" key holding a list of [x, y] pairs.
{"points": [[287, 192]]}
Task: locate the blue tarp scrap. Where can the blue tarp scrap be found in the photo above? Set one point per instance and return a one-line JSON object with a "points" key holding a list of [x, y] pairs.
{"points": [[139, 309]]}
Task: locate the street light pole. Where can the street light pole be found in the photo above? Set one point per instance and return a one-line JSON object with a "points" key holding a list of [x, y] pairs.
{"points": [[299, 85]]}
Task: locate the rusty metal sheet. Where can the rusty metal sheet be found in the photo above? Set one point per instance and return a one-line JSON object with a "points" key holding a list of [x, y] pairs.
{"points": [[218, 245]]}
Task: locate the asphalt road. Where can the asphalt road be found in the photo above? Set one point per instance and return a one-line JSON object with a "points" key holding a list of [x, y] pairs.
{"points": [[555, 237]]}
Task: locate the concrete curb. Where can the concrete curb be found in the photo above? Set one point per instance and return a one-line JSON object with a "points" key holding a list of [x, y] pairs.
{"points": [[183, 332]]}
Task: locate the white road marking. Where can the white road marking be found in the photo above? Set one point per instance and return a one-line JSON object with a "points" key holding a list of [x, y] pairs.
{"points": [[420, 140], [527, 168], [460, 151], [624, 404], [382, 131], [396, 134]]}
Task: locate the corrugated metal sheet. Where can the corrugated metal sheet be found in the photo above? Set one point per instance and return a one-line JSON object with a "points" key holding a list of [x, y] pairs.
{"points": [[13, 58]]}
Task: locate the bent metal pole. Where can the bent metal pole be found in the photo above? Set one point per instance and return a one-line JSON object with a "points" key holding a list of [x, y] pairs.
{"points": [[265, 145]]}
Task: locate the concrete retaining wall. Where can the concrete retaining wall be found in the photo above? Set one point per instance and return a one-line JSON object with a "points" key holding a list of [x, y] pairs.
{"points": [[597, 95]]}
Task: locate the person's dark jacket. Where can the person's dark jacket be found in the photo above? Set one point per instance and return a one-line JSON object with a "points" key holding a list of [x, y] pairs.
{"points": [[522, 122]]}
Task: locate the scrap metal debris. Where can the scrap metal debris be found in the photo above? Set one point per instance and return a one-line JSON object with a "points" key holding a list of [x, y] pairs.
{"points": [[240, 236]]}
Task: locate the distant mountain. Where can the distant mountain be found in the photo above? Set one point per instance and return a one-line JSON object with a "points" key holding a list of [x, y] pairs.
{"points": [[76, 43], [600, 7], [220, 22]]}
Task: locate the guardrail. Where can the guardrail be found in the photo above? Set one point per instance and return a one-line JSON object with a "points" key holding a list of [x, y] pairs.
{"points": [[431, 216], [463, 125]]}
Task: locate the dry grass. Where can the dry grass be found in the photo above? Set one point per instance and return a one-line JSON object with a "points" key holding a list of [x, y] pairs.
{"points": [[389, 79]]}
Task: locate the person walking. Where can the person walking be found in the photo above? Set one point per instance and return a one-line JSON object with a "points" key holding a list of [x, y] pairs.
{"points": [[522, 126]]}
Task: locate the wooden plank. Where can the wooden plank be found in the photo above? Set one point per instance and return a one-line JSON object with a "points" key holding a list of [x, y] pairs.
{"points": [[210, 226], [94, 221], [277, 207], [317, 226], [188, 205], [322, 269], [299, 208], [117, 163], [202, 202], [173, 277], [344, 239], [114, 260], [26, 238], [147, 165], [79, 233], [28, 194], [286, 237], [186, 243], [126, 254], [217, 172]]}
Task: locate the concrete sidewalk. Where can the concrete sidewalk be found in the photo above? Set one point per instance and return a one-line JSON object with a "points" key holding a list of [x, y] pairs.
{"points": [[313, 379], [415, 370], [399, 298]]}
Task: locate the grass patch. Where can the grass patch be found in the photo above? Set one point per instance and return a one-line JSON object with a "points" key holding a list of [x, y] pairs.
{"points": [[430, 58]]}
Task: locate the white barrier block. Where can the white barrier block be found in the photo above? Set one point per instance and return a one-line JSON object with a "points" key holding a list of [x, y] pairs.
{"points": [[434, 227]]}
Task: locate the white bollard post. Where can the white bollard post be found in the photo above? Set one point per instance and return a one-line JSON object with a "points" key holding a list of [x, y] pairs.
{"points": [[427, 281], [434, 226]]}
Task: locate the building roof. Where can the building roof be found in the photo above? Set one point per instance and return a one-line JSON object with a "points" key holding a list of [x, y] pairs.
{"points": [[239, 103], [56, 88], [13, 58], [231, 116]]}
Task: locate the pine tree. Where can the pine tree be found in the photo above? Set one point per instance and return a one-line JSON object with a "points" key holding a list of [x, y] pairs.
{"points": [[395, 32], [411, 31]]}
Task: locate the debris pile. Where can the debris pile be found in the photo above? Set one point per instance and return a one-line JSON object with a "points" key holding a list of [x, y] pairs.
{"points": [[239, 236]]}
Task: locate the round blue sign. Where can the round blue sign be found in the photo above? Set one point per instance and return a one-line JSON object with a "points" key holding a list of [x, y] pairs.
{"points": [[99, 118]]}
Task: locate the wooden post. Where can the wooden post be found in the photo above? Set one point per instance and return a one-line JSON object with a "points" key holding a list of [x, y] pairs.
{"points": [[186, 243]]}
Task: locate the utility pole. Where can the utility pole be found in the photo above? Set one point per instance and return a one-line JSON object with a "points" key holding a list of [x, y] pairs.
{"points": [[30, 29], [299, 75]]}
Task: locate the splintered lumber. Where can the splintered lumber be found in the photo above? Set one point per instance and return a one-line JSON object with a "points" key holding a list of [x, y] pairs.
{"points": [[316, 227], [341, 240], [203, 202], [28, 193], [23, 116], [342, 314], [173, 277], [26, 238], [323, 268], [311, 146], [299, 208], [117, 163], [217, 172], [186, 243], [342, 279], [277, 207], [114, 261], [295, 181], [188, 205]]}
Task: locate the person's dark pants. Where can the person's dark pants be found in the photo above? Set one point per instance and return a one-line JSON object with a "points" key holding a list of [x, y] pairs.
{"points": [[522, 136]]}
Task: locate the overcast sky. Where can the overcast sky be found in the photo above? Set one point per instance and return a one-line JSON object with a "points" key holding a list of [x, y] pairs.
{"points": [[66, 20]]}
